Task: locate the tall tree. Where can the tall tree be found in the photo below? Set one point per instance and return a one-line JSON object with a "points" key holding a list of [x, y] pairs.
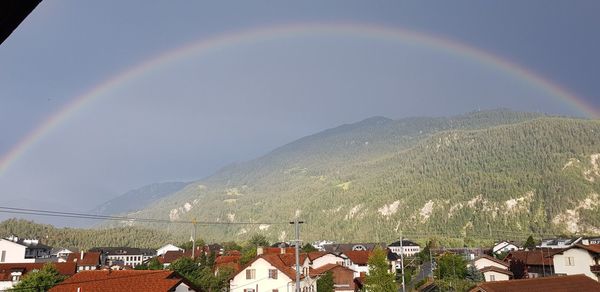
{"points": [[379, 279], [451, 265], [529, 243]]}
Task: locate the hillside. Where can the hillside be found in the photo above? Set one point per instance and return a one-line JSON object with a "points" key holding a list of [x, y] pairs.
{"points": [[485, 174], [138, 199]]}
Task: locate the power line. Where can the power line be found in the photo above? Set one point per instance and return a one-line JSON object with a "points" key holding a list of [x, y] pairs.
{"points": [[39, 212]]}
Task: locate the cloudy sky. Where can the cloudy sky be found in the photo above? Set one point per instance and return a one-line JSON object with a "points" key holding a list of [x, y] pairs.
{"points": [[263, 85]]}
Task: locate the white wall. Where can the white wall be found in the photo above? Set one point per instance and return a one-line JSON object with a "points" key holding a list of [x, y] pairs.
{"points": [[581, 263], [261, 282], [168, 247], [497, 276], [327, 259], [15, 253], [5, 285]]}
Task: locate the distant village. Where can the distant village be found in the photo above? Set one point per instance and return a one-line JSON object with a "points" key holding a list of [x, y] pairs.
{"points": [[556, 263]]}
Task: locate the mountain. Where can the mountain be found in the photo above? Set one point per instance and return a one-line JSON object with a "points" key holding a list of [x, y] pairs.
{"points": [[138, 199], [481, 175]]}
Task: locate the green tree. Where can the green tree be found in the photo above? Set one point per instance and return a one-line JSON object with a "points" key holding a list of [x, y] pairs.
{"points": [[451, 265], [325, 282], [379, 279], [308, 248], [473, 274], [187, 268], [41, 280], [231, 245], [258, 240], [529, 243], [248, 254], [154, 264]]}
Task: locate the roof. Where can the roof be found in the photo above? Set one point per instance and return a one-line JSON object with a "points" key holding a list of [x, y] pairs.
{"points": [[547, 284], [317, 254], [232, 261], [595, 248], [495, 260], [359, 257], [343, 247], [66, 269], [497, 270], [125, 280], [534, 257], [405, 242], [91, 258], [328, 267], [124, 250], [276, 261], [29, 243]]}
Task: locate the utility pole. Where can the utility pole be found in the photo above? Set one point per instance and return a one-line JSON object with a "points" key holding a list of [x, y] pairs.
{"points": [[430, 262], [297, 232], [402, 261], [193, 238]]}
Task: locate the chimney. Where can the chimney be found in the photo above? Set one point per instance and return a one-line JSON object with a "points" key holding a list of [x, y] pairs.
{"points": [[82, 253], [259, 250], [282, 250]]}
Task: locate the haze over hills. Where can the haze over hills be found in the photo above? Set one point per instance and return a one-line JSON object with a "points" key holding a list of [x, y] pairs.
{"points": [[486, 174], [138, 199]]}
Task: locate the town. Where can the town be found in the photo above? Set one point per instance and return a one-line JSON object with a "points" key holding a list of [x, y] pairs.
{"points": [[558, 264]]}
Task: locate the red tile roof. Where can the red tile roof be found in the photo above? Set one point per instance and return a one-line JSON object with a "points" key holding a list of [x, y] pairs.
{"points": [[535, 257], [547, 284], [359, 257], [316, 254], [131, 280], [595, 248], [327, 267], [66, 269], [228, 261], [91, 258]]}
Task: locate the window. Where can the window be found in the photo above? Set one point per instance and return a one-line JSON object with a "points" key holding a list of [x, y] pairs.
{"points": [[569, 261], [3, 256], [250, 274], [272, 273], [492, 277]]}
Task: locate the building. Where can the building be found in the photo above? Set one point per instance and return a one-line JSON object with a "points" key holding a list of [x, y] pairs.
{"points": [[168, 247], [492, 269], [343, 277], [126, 281], [270, 272], [504, 246], [559, 242], [578, 259], [357, 260], [343, 247], [12, 273], [408, 247], [18, 250], [548, 284], [86, 261], [125, 256], [60, 254], [531, 263]]}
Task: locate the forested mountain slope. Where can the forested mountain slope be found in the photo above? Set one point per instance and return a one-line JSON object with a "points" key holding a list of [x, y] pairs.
{"points": [[481, 175]]}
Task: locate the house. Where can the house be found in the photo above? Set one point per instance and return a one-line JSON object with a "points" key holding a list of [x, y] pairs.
{"points": [[590, 240], [60, 254], [168, 247], [578, 259], [342, 247], [12, 273], [548, 284], [125, 256], [18, 250], [343, 277], [559, 242], [170, 256], [492, 269], [125, 281], [504, 246], [315, 260], [357, 260], [86, 261], [269, 272], [407, 247], [531, 263]]}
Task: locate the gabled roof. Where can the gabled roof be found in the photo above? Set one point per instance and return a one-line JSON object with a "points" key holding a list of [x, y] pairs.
{"points": [[593, 248], [125, 280], [66, 269], [497, 270], [534, 257], [495, 260], [359, 257], [91, 258], [326, 268], [546, 284]]}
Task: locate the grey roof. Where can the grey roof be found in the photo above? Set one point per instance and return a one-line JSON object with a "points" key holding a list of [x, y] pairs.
{"points": [[405, 242], [124, 250], [343, 247]]}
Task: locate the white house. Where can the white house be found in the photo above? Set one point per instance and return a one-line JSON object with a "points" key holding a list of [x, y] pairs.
{"points": [[504, 246], [407, 247], [166, 248], [268, 272], [492, 268], [316, 260], [357, 260], [578, 259], [19, 250], [125, 256]]}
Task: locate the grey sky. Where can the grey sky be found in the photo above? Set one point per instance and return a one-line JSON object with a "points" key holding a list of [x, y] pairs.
{"points": [[194, 116]]}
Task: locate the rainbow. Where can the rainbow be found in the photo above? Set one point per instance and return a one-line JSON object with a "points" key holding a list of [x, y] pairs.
{"points": [[205, 46]]}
